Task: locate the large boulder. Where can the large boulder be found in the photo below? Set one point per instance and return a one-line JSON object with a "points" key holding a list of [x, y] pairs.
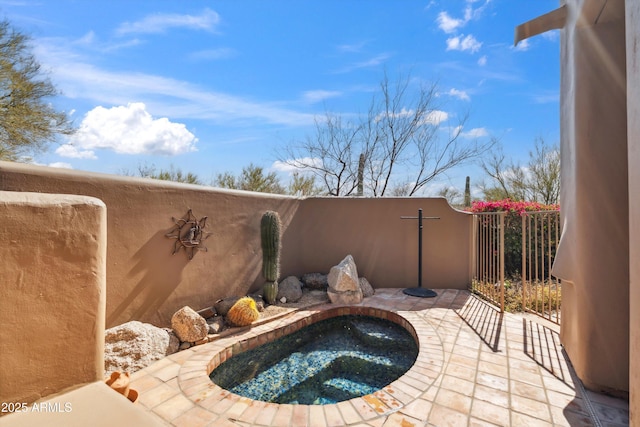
{"points": [[315, 281], [135, 345], [290, 289], [188, 325], [344, 286]]}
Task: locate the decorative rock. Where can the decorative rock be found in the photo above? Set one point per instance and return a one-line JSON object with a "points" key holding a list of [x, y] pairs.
{"points": [[367, 289], [207, 312], [135, 345], [222, 307], [188, 325], [344, 286], [283, 300], [315, 281], [345, 297], [174, 341], [216, 324], [185, 346], [290, 288]]}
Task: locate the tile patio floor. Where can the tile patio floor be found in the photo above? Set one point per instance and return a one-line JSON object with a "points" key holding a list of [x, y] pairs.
{"points": [[476, 368]]}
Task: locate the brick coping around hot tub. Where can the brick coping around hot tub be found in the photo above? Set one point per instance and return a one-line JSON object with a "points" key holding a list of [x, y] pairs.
{"points": [[195, 384]]}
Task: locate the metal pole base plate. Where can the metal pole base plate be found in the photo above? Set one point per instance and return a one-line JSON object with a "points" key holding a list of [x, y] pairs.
{"points": [[420, 292]]}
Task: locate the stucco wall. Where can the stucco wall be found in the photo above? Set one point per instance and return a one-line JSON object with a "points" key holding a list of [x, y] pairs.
{"points": [[53, 270], [146, 282], [384, 246], [633, 117], [593, 256]]}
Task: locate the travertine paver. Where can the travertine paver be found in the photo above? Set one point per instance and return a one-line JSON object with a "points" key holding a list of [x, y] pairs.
{"points": [[476, 367]]}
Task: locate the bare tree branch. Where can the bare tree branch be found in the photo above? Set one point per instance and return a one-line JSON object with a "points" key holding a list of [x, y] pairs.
{"points": [[399, 140]]}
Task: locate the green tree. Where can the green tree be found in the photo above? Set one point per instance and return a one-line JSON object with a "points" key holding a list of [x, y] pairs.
{"points": [[252, 178], [301, 185], [172, 174], [28, 121]]}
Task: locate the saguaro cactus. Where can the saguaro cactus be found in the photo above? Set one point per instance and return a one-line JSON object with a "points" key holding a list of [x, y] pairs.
{"points": [[270, 236], [467, 193]]}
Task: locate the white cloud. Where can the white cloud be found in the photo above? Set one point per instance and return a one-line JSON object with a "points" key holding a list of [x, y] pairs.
{"points": [[482, 61], [294, 165], [71, 151], [463, 43], [402, 113], [160, 22], [128, 130], [372, 62], [522, 46], [61, 165], [552, 35], [475, 133], [436, 117], [313, 96], [460, 94], [168, 97], [448, 24]]}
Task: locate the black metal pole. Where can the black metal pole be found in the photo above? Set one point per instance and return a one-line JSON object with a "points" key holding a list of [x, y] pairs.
{"points": [[419, 248], [420, 291]]}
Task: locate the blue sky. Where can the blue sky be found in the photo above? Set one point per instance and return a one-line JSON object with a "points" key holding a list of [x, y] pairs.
{"points": [[212, 86]]}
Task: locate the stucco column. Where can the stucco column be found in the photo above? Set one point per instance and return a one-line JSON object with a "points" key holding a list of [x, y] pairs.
{"points": [[593, 257], [52, 309], [633, 117]]}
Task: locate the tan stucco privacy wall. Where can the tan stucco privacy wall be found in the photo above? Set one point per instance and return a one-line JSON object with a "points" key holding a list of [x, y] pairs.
{"points": [[146, 282], [593, 257], [633, 126], [52, 309]]}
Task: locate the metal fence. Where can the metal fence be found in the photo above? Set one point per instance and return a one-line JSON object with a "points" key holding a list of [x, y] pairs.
{"points": [[541, 291], [530, 286], [488, 278]]}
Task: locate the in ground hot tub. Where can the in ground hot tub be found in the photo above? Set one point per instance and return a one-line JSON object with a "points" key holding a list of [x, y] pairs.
{"points": [[326, 362], [195, 382]]}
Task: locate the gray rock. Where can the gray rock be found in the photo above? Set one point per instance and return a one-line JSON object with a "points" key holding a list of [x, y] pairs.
{"points": [[344, 286], [315, 281], [185, 345], [207, 312], [135, 345], [174, 341], [367, 289], [188, 325], [222, 307], [290, 288], [216, 324]]}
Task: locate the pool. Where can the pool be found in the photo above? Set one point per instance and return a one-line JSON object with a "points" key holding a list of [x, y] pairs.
{"points": [[329, 361]]}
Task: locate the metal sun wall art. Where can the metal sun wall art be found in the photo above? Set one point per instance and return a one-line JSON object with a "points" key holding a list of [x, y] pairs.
{"points": [[189, 234]]}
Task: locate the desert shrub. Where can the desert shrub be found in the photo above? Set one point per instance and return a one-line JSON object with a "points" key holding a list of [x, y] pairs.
{"points": [[541, 297]]}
